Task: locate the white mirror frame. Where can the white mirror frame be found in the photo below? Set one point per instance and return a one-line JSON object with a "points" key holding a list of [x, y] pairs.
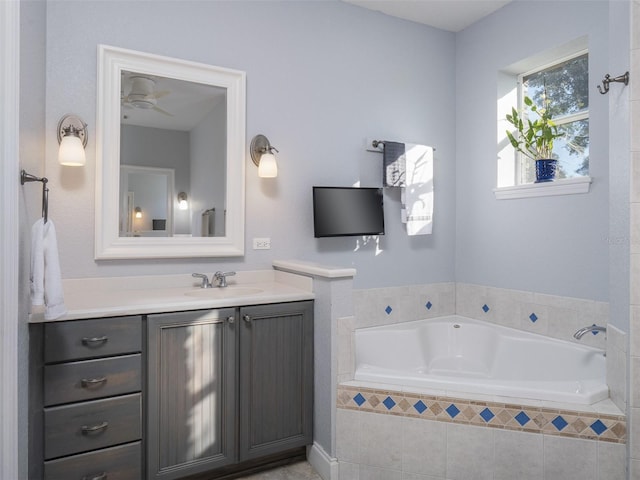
{"points": [[108, 243]]}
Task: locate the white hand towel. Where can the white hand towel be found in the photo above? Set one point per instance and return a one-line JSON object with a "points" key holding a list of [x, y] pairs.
{"points": [[46, 278], [417, 195]]}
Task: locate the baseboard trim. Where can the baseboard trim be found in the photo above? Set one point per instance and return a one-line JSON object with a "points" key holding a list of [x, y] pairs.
{"points": [[326, 466]]}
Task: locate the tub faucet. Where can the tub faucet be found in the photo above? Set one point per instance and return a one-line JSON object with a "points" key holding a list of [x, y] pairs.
{"points": [[221, 278], [592, 328]]}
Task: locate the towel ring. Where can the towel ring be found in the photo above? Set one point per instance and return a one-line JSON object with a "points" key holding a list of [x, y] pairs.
{"points": [[26, 178]]}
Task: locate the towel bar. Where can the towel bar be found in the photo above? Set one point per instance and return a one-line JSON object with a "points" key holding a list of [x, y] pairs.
{"points": [[27, 177], [377, 143]]}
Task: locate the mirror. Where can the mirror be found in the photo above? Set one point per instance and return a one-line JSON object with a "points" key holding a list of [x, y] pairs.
{"points": [[168, 130]]}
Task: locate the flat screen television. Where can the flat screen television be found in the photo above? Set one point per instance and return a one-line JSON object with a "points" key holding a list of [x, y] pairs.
{"points": [[347, 211]]}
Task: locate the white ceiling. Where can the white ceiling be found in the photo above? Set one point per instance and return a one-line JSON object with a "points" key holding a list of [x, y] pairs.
{"points": [[451, 15]]}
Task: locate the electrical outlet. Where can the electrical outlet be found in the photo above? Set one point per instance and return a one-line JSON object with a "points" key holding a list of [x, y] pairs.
{"points": [[261, 243]]}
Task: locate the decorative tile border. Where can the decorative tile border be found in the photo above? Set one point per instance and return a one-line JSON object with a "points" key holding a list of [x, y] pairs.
{"points": [[565, 423]]}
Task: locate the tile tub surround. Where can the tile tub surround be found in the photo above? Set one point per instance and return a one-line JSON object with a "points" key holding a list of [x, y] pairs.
{"points": [[410, 449], [386, 434], [532, 417]]}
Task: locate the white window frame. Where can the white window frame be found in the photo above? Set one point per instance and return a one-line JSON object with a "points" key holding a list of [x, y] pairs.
{"points": [[508, 166], [562, 120]]}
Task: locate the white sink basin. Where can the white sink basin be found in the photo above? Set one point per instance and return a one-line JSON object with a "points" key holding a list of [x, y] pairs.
{"points": [[225, 292]]}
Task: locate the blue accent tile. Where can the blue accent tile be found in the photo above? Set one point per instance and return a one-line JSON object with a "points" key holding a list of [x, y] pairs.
{"points": [[359, 399], [487, 415], [452, 410], [598, 427], [522, 418], [429, 305], [420, 406], [533, 317], [389, 403], [485, 308], [388, 309], [559, 423]]}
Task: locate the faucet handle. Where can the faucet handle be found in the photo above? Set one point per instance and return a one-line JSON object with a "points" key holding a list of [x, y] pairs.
{"points": [[205, 280], [221, 277]]}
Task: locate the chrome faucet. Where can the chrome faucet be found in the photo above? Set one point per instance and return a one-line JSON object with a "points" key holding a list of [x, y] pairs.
{"points": [[205, 280], [592, 328], [221, 278]]}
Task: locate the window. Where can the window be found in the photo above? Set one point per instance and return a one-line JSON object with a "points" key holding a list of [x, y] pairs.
{"points": [[565, 84]]}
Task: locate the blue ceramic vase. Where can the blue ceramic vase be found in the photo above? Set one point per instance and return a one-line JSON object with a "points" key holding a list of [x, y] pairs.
{"points": [[546, 170]]}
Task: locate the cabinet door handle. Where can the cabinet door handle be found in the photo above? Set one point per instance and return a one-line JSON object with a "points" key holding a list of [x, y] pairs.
{"points": [[231, 319], [86, 430], [97, 476], [92, 382], [247, 318], [94, 341]]}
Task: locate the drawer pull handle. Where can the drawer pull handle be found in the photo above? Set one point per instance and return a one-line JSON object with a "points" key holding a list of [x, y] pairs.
{"points": [[87, 430], [98, 476], [231, 319], [247, 318], [92, 382], [94, 341]]}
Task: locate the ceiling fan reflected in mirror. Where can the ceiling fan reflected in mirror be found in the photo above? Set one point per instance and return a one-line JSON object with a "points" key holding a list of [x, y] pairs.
{"points": [[142, 94]]}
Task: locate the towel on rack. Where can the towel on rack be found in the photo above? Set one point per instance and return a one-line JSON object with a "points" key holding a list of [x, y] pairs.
{"points": [[417, 194], [46, 278], [394, 164]]}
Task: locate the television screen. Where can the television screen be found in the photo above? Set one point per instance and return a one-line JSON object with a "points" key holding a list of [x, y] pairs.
{"points": [[344, 211]]}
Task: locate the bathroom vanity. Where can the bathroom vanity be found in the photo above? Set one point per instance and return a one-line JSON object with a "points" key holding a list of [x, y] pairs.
{"points": [[202, 385]]}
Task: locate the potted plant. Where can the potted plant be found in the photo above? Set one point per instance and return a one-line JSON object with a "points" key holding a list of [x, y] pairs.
{"points": [[535, 138]]}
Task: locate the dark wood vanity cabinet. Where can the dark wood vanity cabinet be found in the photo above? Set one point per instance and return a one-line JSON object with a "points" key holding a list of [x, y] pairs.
{"points": [[227, 386], [191, 395], [86, 400], [195, 394]]}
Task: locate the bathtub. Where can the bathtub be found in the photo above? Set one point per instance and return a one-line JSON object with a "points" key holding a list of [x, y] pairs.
{"points": [[459, 354]]}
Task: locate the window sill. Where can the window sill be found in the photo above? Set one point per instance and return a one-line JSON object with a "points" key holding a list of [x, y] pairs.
{"points": [[567, 186]]}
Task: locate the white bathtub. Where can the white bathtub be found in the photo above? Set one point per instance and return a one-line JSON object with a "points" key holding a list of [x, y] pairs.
{"points": [[459, 354]]}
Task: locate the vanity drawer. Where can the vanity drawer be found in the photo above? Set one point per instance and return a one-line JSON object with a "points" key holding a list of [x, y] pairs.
{"points": [[116, 463], [75, 340], [82, 427], [90, 379]]}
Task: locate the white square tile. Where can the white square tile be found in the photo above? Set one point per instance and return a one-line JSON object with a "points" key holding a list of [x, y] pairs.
{"points": [[569, 458], [348, 471], [635, 24], [612, 460], [635, 176], [376, 473], [470, 452], [380, 441], [347, 435], [424, 447], [518, 456], [634, 84]]}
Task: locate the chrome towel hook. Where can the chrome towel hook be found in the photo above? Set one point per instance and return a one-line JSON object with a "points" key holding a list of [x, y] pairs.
{"points": [[607, 80]]}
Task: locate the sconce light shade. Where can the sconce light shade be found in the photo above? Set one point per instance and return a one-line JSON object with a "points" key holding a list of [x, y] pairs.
{"points": [[72, 137], [182, 201], [263, 157], [268, 167], [138, 212]]}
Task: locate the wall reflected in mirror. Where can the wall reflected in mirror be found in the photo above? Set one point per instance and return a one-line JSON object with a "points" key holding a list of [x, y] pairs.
{"points": [[173, 136]]}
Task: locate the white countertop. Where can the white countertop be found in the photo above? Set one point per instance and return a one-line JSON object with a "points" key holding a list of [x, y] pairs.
{"points": [[118, 296]]}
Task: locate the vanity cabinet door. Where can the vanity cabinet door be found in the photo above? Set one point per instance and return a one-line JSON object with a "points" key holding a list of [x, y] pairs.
{"points": [[276, 378], [191, 392]]}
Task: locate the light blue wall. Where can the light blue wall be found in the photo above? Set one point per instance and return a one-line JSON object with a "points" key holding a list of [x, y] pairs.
{"points": [[556, 245], [322, 76]]}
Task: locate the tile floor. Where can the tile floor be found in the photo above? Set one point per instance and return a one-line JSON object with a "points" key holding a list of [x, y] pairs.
{"points": [[296, 471]]}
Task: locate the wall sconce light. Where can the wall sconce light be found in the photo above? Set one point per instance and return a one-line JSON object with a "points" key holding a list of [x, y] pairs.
{"points": [[262, 155], [138, 212], [182, 201], [72, 137]]}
